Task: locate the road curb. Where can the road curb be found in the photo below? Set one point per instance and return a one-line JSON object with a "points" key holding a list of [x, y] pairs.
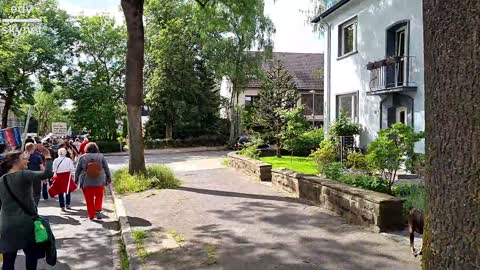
{"points": [[125, 232]]}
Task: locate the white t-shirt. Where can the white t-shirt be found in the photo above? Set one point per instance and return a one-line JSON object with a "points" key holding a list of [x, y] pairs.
{"points": [[62, 164]]}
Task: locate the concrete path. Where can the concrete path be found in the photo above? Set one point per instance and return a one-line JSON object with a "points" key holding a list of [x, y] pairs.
{"points": [[220, 219], [81, 243]]}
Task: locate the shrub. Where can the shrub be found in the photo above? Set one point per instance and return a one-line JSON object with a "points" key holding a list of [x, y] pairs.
{"points": [[417, 164], [414, 196], [366, 182], [305, 143], [251, 149], [109, 146], [357, 161], [333, 171], [393, 147], [344, 127], [326, 154], [156, 176]]}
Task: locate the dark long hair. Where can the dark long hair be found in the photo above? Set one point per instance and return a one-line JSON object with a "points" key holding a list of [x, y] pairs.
{"points": [[8, 161]]}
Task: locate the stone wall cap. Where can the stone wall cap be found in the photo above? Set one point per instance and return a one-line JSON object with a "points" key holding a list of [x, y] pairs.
{"points": [[291, 173], [251, 160], [368, 195]]}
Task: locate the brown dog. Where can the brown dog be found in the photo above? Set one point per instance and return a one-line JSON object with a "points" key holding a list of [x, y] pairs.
{"points": [[415, 225]]}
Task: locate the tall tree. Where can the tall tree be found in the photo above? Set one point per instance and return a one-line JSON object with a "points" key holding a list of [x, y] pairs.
{"points": [[277, 98], [133, 11], [32, 49], [47, 109], [97, 84], [452, 100]]}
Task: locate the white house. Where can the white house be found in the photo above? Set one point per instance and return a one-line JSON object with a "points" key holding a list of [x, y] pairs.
{"points": [[373, 68]]}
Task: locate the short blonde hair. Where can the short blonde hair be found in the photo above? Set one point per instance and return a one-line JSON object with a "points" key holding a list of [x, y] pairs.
{"points": [[62, 152]]}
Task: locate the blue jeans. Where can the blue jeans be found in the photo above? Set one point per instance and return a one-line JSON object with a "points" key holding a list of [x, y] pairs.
{"points": [[61, 199]]}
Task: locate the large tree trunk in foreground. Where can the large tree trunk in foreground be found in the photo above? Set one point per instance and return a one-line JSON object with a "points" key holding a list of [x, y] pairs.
{"points": [[452, 81], [133, 11]]}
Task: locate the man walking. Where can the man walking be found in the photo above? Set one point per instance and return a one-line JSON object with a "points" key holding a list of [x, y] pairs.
{"points": [[35, 163]]}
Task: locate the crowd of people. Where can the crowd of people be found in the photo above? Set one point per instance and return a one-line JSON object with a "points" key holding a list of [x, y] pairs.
{"points": [[52, 168]]}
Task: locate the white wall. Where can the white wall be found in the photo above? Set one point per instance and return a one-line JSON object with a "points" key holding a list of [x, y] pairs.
{"points": [[350, 74]]}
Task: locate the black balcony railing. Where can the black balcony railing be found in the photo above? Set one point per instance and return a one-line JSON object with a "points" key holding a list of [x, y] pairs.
{"points": [[391, 73]]}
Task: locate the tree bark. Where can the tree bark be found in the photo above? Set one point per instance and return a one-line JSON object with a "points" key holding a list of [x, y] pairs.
{"points": [[6, 109], [452, 101], [133, 11], [169, 131]]}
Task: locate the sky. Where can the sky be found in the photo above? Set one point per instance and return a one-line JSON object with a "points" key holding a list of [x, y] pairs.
{"points": [[293, 34]]}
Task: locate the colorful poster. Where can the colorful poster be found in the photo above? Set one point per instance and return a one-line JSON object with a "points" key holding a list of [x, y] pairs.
{"points": [[2, 137], [18, 136], [10, 138]]}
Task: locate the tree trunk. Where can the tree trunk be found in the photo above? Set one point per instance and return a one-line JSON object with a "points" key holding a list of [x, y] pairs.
{"points": [[279, 149], [233, 138], [6, 110], [452, 101], [169, 131], [133, 11]]}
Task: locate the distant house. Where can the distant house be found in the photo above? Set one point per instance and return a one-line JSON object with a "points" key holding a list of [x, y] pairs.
{"points": [[374, 68], [306, 69]]}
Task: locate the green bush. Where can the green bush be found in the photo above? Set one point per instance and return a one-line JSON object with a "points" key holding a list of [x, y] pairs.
{"points": [[414, 196], [367, 182], [344, 127], [305, 143], [251, 149], [109, 146], [326, 154], [357, 161], [333, 171], [156, 177], [204, 140]]}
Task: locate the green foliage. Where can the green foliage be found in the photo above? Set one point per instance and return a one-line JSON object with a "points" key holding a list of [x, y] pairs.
{"points": [[274, 106], [332, 171], [181, 89], [414, 196], [97, 83], [297, 138], [357, 161], [124, 262], [29, 51], [326, 154], [251, 149], [345, 127], [204, 140], [139, 237], [156, 177], [417, 164], [47, 110], [304, 165], [367, 182], [393, 147]]}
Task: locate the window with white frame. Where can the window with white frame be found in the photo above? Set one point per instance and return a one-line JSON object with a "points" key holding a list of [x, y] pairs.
{"points": [[348, 105], [347, 37]]}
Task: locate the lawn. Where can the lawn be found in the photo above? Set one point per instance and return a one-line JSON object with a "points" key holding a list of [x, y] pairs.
{"points": [[300, 164]]}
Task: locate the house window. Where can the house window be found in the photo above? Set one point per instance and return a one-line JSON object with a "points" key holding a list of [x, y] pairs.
{"points": [[249, 100], [307, 101], [347, 42], [348, 105]]}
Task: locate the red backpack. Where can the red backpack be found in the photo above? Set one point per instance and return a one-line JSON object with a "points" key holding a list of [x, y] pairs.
{"points": [[94, 168]]}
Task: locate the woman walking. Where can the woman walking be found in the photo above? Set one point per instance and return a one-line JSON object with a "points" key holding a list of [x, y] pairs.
{"points": [[63, 168], [93, 175], [16, 225]]}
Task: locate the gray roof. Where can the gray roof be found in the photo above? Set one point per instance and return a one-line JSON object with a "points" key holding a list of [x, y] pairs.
{"points": [[306, 69], [330, 10]]}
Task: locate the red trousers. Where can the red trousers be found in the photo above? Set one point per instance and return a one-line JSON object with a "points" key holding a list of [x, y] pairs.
{"points": [[93, 199]]}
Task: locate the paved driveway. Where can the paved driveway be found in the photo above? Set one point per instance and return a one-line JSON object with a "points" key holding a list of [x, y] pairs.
{"points": [[220, 219]]}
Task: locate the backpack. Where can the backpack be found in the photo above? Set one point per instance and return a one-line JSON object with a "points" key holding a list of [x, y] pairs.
{"points": [[93, 168]]}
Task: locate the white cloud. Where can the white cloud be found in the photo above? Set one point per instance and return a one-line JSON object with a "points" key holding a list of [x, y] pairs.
{"points": [[91, 8]]}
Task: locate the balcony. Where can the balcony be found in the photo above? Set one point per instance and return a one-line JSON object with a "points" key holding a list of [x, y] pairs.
{"points": [[391, 75]]}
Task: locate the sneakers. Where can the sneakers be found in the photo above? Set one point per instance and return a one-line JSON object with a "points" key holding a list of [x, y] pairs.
{"points": [[99, 214], [68, 207], [63, 210]]}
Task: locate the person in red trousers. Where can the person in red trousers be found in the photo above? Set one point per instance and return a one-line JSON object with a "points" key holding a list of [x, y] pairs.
{"points": [[83, 146], [92, 175]]}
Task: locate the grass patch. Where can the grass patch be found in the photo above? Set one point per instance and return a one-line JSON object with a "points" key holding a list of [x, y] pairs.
{"points": [[225, 162], [124, 263], [156, 177], [211, 254], [299, 164], [139, 237], [180, 239]]}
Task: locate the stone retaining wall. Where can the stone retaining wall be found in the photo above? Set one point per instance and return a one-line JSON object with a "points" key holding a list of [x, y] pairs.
{"points": [[255, 168], [377, 211]]}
